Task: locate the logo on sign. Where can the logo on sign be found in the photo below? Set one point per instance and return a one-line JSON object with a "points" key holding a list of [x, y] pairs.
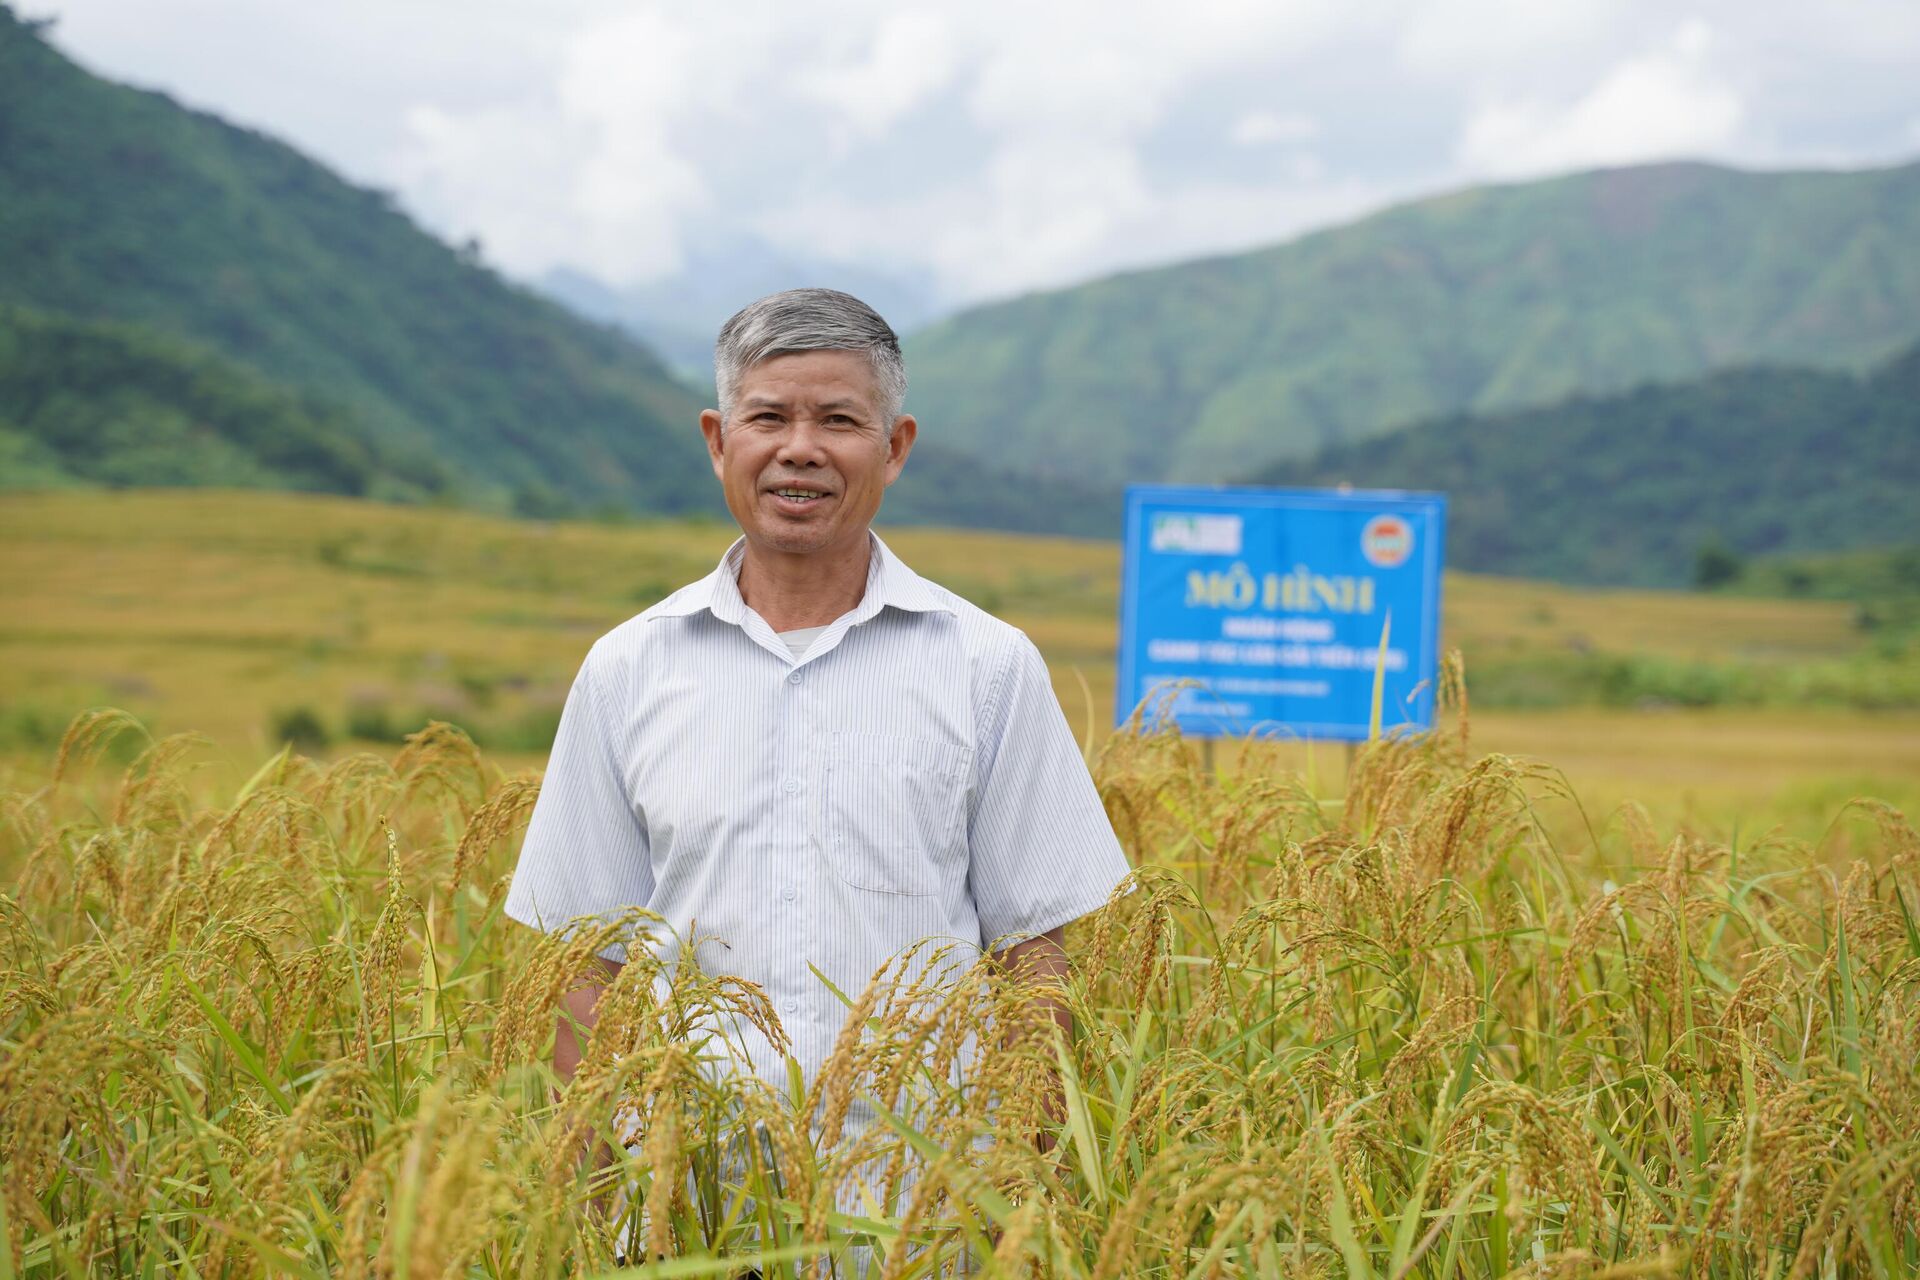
{"points": [[1207, 535], [1387, 541]]}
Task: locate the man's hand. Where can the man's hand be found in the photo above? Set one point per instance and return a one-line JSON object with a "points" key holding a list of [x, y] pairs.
{"points": [[1039, 967], [581, 1005]]}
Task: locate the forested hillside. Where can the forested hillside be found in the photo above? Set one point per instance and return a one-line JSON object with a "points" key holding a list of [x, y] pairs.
{"points": [[1486, 300], [1634, 488], [188, 302], [88, 402], [100, 403], [121, 205]]}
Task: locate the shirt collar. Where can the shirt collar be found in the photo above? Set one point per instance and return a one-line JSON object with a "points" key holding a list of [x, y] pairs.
{"points": [[889, 582]]}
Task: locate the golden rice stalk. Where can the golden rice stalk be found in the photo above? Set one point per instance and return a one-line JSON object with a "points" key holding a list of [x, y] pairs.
{"points": [[504, 812]]}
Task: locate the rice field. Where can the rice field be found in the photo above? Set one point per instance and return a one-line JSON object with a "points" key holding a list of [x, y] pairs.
{"points": [[1389, 1025], [230, 614]]}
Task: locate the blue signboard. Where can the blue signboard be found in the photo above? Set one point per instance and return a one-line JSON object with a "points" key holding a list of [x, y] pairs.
{"points": [[1262, 611]]}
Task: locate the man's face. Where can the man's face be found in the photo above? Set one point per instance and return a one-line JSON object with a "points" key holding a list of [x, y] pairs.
{"points": [[806, 456]]}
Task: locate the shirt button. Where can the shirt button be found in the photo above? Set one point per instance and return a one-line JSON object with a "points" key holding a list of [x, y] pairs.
{"points": [[790, 786], [793, 1006], [791, 893], [793, 677]]}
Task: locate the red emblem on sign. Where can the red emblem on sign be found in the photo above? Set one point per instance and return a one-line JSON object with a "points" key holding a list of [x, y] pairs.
{"points": [[1387, 541]]}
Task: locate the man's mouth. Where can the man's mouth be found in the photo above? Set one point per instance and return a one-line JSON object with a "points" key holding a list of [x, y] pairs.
{"points": [[798, 497]]}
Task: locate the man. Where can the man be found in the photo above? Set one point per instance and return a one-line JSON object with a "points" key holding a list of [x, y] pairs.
{"points": [[812, 755]]}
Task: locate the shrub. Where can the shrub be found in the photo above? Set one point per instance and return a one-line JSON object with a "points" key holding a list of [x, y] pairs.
{"points": [[372, 722], [1716, 565], [529, 733], [299, 726]]}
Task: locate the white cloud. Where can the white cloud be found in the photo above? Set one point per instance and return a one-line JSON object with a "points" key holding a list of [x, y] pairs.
{"points": [[1261, 128], [1036, 214], [1664, 103], [1448, 39], [586, 172], [1003, 144], [663, 116], [912, 58]]}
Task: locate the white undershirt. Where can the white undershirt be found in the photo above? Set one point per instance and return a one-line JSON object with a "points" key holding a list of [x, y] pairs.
{"points": [[801, 638]]}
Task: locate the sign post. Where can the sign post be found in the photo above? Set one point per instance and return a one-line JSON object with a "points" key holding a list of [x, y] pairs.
{"points": [[1269, 611]]}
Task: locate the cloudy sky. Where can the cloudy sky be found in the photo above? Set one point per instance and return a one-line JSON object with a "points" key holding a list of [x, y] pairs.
{"points": [[997, 145]]}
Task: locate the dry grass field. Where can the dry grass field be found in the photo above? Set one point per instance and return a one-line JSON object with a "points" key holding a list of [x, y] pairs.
{"points": [[220, 613]]}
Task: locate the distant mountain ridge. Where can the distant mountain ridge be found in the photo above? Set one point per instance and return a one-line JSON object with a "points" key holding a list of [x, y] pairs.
{"points": [[1631, 488], [99, 403], [187, 302], [122, 206], [231, 313], [679, 315], [1486, 300]]}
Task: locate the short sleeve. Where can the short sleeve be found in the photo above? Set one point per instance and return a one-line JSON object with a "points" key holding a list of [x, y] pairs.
{"points": [[585, 853], [1041, 851]]}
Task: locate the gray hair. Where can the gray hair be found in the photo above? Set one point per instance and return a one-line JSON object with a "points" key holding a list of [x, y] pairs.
{"points": [[809, 320]]}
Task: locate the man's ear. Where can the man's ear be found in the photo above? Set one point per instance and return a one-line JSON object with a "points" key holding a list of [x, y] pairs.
{"points": [[900, 444], [714, 429]]}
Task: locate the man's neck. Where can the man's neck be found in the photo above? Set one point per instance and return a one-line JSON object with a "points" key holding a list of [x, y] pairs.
{"points": [[792, 591]]}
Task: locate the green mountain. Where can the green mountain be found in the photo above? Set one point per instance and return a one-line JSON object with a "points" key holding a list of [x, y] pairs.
{"points": [[183, 301], [187, 302], [90, 402], [98, 403], [120, 205], [1666, 484], [1486, 300]]}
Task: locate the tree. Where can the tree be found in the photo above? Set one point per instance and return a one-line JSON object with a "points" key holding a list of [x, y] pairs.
{"points": [[1716, 564]]}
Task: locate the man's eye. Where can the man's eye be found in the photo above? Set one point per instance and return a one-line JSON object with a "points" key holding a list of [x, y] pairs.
{"points": [[839, 420]]}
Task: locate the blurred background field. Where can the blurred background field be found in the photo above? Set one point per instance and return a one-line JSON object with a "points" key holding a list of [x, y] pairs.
{"points": [[256, 617], [282, 458]]}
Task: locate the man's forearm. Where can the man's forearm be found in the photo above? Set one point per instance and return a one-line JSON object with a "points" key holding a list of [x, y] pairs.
{"points": [[580, 1005], [1038, 968], [1038, 964]]}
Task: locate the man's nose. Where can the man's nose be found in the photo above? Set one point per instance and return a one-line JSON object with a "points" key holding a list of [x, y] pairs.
{"points": [[803, 445]]}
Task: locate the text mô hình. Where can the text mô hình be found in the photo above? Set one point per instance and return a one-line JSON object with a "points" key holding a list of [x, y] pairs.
{"points": [[1300, 591]]}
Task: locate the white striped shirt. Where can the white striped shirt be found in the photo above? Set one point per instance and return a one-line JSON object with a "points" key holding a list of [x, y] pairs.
{"points": [[911, 775]]}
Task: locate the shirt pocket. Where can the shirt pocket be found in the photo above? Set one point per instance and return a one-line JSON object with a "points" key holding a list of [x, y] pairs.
{"points": [[895, 811]]}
